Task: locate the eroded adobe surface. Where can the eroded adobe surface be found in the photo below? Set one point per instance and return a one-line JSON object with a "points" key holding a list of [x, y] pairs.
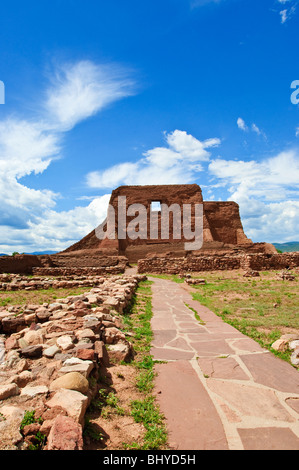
{"points": [[223, 235]]}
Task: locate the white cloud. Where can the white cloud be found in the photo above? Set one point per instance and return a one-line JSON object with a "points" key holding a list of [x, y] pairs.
{"points": [[289, 11], [77, 92], [241, 124], [256, 129], [82, 89], [284, 15], [272, 179], [55, 231], [267, 192], [176, 163], [25, 147], [58, 230]]}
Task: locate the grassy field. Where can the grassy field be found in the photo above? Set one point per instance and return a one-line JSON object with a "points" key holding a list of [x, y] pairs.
{"points": [[263, 307], [37, 297]]}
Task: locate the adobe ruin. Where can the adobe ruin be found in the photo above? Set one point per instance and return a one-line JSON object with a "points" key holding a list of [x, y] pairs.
{"points": [[222, 227], [225, 245]]}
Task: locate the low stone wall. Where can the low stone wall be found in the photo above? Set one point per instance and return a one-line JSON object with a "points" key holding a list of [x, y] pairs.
{"points": [[51, 357], [169, 265], [80, 264], [265, 262], [75, 271], [86, 260], [14, 282], [255, 262]]}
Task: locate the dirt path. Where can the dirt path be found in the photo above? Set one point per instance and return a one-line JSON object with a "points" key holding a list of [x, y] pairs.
{"points": [[217, 388]]}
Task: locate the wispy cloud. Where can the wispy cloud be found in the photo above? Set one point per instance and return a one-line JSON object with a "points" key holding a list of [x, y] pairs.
{"points": [[244, 127], [241, 124], [80, 90], [289, 9]]}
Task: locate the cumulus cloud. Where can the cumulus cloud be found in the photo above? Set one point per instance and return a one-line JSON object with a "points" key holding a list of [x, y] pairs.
{"points": [[58, 230], [77, 91], [177, 162], [25, 148], [267, 192]]}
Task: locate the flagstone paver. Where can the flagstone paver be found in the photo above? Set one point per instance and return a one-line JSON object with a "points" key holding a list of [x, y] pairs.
{"points": [[217, 388]]}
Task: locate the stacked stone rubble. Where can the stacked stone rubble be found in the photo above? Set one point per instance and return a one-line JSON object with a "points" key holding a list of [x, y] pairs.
{"points": [[50, 358], [13, 282], [191, 263]]}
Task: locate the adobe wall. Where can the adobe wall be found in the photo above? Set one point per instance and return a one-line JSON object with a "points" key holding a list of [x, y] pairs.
{"points": [[22, 264], [145, 195], [221, 223]]}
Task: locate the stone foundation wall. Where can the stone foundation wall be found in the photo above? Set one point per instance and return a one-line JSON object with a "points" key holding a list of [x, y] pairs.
{"points": [[265, 262], [52, 357], [167, 265], [13, 282], [63, 265], [86, 260], [256, 262], [79, 271]]}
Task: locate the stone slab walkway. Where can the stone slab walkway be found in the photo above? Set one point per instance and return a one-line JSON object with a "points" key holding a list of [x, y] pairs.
{"points": [[218, 389]]}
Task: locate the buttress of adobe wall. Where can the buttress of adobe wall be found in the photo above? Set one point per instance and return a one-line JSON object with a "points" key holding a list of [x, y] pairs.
{"points": [[224, 222]]}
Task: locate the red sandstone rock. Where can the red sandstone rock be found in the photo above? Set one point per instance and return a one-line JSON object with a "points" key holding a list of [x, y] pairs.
{"points": [[31, 429], [65, 434], [11, 343], [86, 354]]}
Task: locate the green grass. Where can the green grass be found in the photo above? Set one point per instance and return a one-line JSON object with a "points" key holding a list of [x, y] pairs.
{"points": [[173, 277], [195, 314], [248, 304], [38, 440], [37, 297], [145, 411]]}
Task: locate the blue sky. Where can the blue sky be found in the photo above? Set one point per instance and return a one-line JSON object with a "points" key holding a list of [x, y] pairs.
{"points": [[99, 94]]}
